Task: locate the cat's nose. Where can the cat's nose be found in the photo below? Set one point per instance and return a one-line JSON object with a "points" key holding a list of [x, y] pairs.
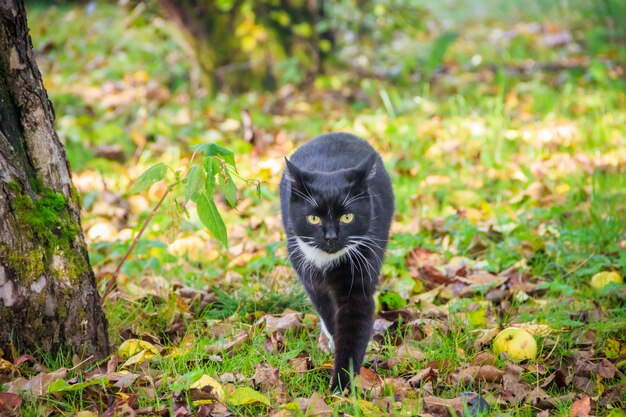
{"points": [[330, 235]]}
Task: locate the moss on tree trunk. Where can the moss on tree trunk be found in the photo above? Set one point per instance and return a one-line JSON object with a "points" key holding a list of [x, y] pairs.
{"points": [[48, 297]]}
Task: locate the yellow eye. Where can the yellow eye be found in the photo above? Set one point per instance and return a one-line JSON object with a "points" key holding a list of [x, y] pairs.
{"points": [[313, 219], [347, 218]]}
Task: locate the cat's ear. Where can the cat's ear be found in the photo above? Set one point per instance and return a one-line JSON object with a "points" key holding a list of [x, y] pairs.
{"points": [[365, 170], [294, 174]]}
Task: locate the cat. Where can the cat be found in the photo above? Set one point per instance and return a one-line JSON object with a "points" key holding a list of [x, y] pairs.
{"points": [[337, 204]]}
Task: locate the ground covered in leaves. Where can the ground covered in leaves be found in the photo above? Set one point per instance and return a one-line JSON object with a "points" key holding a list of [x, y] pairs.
{"points": [[509, 168]]}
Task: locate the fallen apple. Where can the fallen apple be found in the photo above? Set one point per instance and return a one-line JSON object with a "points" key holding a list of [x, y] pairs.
{"points": [[604, 278], [518, 344]]}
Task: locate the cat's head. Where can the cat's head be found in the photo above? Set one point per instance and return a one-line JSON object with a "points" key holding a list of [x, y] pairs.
{"points": [[328, 209]]}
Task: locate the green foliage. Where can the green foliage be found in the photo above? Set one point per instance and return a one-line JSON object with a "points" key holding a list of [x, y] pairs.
{"points": [[198, 186], [150, 176], [210, 217]]}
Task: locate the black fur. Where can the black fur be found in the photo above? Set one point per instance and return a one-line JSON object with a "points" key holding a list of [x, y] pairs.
{"points": [[331, 175]]}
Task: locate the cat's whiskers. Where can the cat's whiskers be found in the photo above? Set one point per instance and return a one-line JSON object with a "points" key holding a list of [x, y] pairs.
{"points": [[306, 196], [351, 270], [369, 244], [358, 197], [368, 269]]}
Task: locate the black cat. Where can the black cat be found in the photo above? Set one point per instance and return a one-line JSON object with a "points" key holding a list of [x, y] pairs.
{"points": [[337, 204]]}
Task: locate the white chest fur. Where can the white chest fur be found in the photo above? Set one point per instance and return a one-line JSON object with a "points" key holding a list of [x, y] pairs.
{"points": [[318, 257]]}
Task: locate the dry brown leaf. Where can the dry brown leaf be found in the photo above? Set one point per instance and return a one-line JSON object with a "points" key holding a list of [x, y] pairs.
{"points": [[485, 337], [484, 358], [369, 379], [9, 404], [587, 385], [301, 364], [37, 385], [426, 374], [422, 256], [287, 321], [482, 278], [228, 346], [267, 379], [432, 276], [438, 407], [410, 352], [515, 389], [581, 407], [486, 373], [314, 406], [606, 369]]}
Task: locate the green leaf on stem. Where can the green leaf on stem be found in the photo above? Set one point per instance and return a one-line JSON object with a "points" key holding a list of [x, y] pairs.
{"points": [[150, 176], [195, 182], [211, 218], [212, 149], [228, 187]]}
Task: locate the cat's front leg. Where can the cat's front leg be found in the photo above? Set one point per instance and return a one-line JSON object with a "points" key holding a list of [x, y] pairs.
{"points": [[353, 327]]}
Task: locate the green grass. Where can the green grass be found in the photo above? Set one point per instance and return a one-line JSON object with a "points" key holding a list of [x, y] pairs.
{"points": [[506, 168]]}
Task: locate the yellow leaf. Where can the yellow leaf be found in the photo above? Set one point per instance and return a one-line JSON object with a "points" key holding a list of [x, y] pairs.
{"points": [[131, 347], [122, 396], [246, 396], [86, 414], [615, 348], [604, 278], [135, 359], [207, 381], [5, 365]]}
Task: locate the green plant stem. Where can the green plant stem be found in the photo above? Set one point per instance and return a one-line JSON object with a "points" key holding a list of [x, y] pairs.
{"points": [[113, 280]]}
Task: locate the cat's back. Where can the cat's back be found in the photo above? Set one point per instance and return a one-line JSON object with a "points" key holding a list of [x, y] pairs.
{"points": [[331, 152]]}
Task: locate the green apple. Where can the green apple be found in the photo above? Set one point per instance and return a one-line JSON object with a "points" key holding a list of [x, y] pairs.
{"points": [[517, 343]]}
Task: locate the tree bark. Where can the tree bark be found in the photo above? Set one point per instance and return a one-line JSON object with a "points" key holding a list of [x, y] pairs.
{"points": [[48, 297]]}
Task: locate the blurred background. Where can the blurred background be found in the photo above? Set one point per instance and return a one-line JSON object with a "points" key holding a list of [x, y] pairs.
{"points": [[502, 122]]}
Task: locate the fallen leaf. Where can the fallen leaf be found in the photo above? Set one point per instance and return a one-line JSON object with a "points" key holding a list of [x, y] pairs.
{"points": [[426, 374], [606, 369], [369, 379], [284, 322], [300, 364], [9, 403], [268, 380], [247, 396], [38, 385], [581, 407], [483, 278], [131, 347], [86, 414], [206, 381], [515, 389], [485, 373], [61, 385], [410, 352], [433, 276], [484, 358], [228, 346], [314, 406]]}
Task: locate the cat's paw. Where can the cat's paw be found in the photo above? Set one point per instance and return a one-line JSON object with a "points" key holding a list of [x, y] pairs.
{"points": [[340, 384]]}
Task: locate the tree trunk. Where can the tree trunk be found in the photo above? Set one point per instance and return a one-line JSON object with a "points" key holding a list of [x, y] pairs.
{"points": [[48, 297], [217, 41]]}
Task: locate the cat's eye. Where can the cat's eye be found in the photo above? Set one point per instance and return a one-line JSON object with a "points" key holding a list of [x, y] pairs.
{"points": [[313, 219], [347, 218]]}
